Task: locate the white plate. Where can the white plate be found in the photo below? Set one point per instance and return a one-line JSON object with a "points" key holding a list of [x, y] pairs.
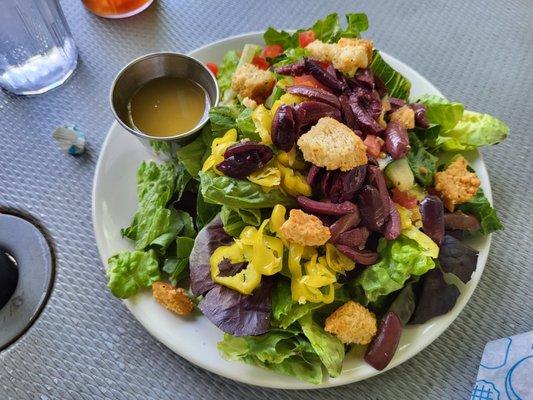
{"points": [[115, 201]]}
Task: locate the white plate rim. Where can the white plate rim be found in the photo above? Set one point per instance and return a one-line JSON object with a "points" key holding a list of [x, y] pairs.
{"points": [[297, 384]]}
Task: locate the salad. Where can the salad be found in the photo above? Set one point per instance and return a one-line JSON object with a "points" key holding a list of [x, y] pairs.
{"points": [[321, 210]]}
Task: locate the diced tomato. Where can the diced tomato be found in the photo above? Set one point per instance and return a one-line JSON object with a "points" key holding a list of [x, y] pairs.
{"points": [[325, 64], [306, 37], [272, 50], [308, 80], [373, 145], [260, 62], [213, 67], [403, 198]]}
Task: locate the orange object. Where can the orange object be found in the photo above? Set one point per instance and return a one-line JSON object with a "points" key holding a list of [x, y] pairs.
{"points": [[306, 37], [373, 145], [116, 8], [272, 50], [308, 80], [213, 67], [403, 198], [260, 62]]}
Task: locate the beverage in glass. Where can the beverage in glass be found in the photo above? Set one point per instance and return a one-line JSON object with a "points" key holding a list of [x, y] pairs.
{"points": [[116, 8], [37, 52]]}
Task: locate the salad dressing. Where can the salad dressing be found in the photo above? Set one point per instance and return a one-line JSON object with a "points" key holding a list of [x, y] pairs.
{"points": [[167, 106]]}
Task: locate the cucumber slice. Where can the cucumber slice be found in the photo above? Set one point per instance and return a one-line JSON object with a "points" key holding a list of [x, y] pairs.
{"points": [[399, 174]]}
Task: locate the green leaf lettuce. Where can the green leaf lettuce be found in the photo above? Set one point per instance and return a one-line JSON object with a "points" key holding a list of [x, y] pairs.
{"points": [[131, 271]]}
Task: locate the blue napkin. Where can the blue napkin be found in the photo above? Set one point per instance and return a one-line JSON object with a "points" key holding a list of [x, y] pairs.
{"points": [[506, 370]]}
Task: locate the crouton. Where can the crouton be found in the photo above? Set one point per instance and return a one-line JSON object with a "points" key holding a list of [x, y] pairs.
{"points": [[347, 55], [405, 116], [352, 323], [173, 299], [249, 103], [333, 145], [304, 229], [456, 185], [250, 81]]}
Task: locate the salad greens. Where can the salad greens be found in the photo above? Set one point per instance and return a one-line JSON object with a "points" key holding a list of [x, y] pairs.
{"points": [[460, 129], [293, 261], [400, 259], [130, 271]]}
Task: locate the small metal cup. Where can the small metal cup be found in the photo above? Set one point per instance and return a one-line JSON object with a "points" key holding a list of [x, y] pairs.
{"points": [[156, 65]]}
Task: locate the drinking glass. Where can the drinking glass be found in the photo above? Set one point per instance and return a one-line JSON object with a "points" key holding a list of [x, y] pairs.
{"points": [[116, 8], [37, 52]]}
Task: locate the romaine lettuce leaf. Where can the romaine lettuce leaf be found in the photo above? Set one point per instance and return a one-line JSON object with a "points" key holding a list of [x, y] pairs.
{"points": [[156, 183], [328, 348], [205, 212], [226, 70], [397, 85], [239, 193], [462, 130], [246, 125], [284, 39], [400, 259], [235, 220], [285, 311], [191, 155], [176, 267], [223, 118], [283, 351], [480, 207], [422, 162], [130, 271]]}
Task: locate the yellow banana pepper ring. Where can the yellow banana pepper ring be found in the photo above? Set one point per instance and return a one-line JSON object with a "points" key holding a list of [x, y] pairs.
{"points": [[218, 148], [336, 261], [244, 281], [267, 254], [277, 218], [262, 118], [311, 286], [293, 182], [267, 177]]}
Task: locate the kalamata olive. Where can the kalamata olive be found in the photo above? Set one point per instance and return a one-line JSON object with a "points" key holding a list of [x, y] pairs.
{"points": [[285, 127], [347, 113], [354, 238], [240, 166], [309, 112], [396, 140], [375, 177], [382, 348], [420, 115], [314, 68], [315, 94], [313, 176], [380, 86], [9, 277], [363, 105], [371, 207], [343, 224], [432, 211], [339, 75], [346, 184], [295, 69], [460, 221], [326, 208], [396, 103], [264, 152], [363, 257], [393, 227], [365, 78], [326, 182]]}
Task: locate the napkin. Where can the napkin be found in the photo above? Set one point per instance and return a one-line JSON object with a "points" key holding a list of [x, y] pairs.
{"points": [[506, 370]]}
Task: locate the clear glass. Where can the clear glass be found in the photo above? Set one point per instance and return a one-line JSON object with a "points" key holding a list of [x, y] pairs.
{"points": [[116, 8], [37, 52]]}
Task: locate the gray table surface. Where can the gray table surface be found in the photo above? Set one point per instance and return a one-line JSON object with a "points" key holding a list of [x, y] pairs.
{"points": [[86, 345]]}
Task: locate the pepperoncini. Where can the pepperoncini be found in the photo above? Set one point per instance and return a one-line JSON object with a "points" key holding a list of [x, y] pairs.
{"points": [[277, 218], [244, 281], [267, 254], [293, 182], [290, 159], [336, 261], [266, 177], [287, 98], [431, 249], [218, 148], [263, 253], [316, 285], [262, 118]]}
